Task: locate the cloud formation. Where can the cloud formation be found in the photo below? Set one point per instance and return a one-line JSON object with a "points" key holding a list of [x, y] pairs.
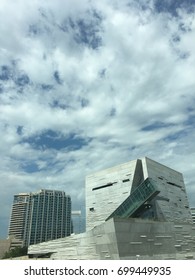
{"points": [[84, 86]]}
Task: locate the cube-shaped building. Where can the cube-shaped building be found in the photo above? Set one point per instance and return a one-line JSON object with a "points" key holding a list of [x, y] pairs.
{"points": [[141, 189]]}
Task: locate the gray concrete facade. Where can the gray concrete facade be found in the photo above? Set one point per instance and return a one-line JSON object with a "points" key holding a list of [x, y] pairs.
{"points": [[107, 189], [124, 239], [134, 210], [172, 203]]}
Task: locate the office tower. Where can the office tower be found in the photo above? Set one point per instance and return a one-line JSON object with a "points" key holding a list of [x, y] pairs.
{"points": [[40, 216], [193, 214], [18, 219], [135, 208]]}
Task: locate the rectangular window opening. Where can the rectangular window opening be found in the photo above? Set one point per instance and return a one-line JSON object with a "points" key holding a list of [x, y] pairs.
{"points": [[126, 180], [173, 184], [104, 186]]}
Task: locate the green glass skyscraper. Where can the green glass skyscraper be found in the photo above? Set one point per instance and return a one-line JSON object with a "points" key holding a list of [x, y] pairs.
{"points": [[40, 216]]}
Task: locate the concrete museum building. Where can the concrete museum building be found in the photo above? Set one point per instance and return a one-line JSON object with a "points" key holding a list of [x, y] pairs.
{"points": [[138, 209]]}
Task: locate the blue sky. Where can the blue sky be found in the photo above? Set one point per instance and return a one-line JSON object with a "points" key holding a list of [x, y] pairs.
{"points": [[86, 85]]}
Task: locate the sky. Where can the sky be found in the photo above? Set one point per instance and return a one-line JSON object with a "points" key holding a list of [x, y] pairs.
{"points": [[86, 85]]}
